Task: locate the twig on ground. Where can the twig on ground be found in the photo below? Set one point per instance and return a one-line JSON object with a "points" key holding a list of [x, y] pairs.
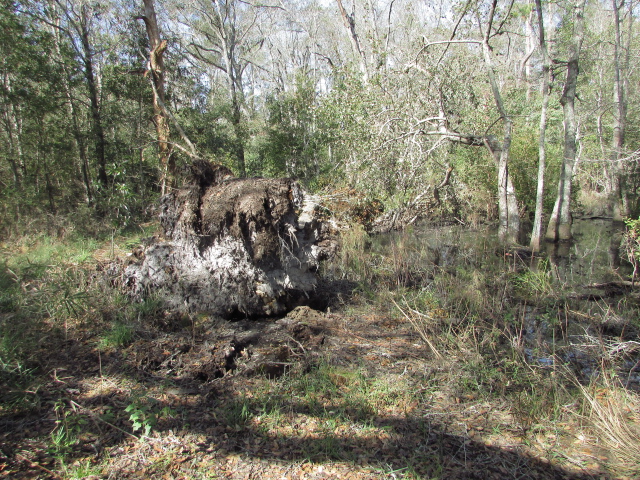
{"points": [[420, 331], [37, 465]]}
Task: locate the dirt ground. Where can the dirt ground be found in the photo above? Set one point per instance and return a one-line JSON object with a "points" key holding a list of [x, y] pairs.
{"points": [[219, 401]]}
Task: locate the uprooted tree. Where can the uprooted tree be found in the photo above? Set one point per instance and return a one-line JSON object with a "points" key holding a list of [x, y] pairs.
{"points": [[232, 247]]}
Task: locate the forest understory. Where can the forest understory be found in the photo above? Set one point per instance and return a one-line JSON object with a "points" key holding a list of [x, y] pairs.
{"points": [[411, 371], [403, 364]]}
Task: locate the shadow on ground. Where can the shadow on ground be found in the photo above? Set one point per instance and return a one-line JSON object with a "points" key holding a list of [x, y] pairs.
{"points": [[224, 424]]}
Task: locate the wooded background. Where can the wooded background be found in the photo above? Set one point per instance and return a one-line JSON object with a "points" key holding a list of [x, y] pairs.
{"points": [[103, 102]]}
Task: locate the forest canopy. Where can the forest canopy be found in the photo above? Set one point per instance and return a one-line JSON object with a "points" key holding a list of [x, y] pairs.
{"points": [[103, 102]]}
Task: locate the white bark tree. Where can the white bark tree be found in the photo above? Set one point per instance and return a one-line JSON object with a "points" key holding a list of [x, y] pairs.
{"points": [[508, 209], [621, 53], [537, 232], [559, 228], [225, 35]]}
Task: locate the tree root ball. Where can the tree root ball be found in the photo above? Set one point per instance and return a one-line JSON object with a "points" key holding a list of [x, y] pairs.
{"points": [[232, 247]]}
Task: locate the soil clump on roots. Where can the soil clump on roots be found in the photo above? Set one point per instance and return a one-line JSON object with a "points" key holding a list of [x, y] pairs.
{"points": [[232, 247]]}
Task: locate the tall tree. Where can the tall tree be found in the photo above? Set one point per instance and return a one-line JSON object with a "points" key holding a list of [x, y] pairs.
{"points": [[349, 20], [559, 227], [155, 69], [620, 63], [28, 90], [507, 201], [77, 20], [74, 115], [508, 210], [13, 52], [536, 234], [222, 38]]}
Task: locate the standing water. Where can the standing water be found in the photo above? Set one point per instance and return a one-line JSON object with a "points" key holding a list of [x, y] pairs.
{"points": [[568, 305], [594, 255]]}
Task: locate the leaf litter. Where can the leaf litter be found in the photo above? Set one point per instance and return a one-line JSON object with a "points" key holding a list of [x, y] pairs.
{"points": [[314, 395]]}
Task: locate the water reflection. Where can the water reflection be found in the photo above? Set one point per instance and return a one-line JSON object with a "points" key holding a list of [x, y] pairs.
{"points": [[566, 323], [594, 255]]}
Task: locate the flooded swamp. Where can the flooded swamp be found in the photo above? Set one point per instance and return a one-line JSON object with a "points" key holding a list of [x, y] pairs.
{"points": [[570, 307]]}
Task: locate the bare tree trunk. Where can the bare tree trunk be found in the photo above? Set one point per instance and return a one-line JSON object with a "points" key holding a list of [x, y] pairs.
{"points": [[559, 228], [379, 52], [73, 115], [11, 127], [226, 32], [98, 131], [508, 213], [236, 120], [524, 73], [509, 229], [240, 134], [350, 24], [156, 70], [43, 158], [620, 194], [536, 234], [80, 146]]}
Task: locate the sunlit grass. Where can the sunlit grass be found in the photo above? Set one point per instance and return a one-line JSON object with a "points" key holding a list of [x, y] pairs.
{"points": [[614, 413], [118, 336], [470, 314], [535, 282], [47, 287]]}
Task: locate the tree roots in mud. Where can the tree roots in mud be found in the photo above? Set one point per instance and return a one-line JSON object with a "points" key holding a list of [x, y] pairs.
{"points": [[232, 247]]}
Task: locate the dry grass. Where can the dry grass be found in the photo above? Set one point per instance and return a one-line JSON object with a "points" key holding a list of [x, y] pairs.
{"points": [[614, 415], [421, 323]]}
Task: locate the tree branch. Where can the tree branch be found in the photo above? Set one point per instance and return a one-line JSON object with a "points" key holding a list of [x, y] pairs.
{"points": [[193, 152], [455, 28]]}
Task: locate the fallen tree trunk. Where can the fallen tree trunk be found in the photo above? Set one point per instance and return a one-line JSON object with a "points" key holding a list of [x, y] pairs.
{"points": [[232, 247]]}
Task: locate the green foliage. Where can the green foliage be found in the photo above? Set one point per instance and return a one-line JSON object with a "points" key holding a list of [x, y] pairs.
{"points": [[13, 351], [82, 470], [118, 336], [145, 412], [68, 426], [238, 414], [633, 229], [535, 282], [141, 417], [632, 244], [347, 114], [31, 76], [523, 167], [292, 143], [475, 173], [211, 130]]}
